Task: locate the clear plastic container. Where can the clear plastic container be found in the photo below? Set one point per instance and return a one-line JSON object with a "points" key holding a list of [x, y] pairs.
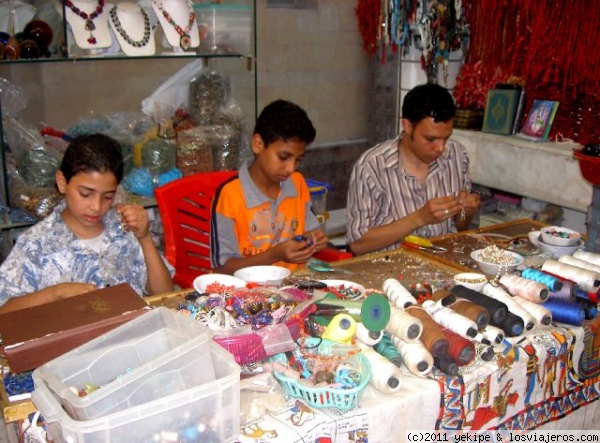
{"points": [[154, 355], [224, 29], [205, 412]]}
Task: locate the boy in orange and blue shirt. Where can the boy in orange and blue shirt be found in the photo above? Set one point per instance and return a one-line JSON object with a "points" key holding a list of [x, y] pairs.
{"points": [[263, 215]]}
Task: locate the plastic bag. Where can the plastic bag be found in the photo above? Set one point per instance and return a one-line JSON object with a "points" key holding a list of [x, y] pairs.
{"points": [[35, 201], [208, 93], [13, 98], [36, 162], [173, 92]]}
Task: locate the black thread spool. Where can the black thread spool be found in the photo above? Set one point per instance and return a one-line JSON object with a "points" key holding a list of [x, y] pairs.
{"points": [[512, 325], [446, 365], [498, 310]]}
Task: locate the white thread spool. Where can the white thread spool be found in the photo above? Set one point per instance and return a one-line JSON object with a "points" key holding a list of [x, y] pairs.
{"points": [[497, 293], [494, 334], [385, 376], [532, 290], [449, 319], [403, 325], [398, 294], [589, 257], [415, 355], [587, 280], [573, 261], [542, 315], [370, 338]]}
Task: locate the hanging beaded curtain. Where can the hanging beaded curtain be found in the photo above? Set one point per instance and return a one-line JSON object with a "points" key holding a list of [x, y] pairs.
{"points": [[551, 44]]}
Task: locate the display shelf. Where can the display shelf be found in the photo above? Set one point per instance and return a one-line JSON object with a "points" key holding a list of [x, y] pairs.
{"points": [[64, 90]]}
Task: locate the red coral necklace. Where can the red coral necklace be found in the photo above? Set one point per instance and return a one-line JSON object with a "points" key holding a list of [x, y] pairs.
{"points": [[89, 18], [185, 40]]}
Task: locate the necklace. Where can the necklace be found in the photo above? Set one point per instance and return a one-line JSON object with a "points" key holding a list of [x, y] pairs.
{"points": [[136, 44], [184, 34], [89, 18]]}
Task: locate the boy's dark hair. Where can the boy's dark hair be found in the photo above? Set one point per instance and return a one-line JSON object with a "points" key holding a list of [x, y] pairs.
{"points": [[428, 100], [284, 120], [93, 153]]}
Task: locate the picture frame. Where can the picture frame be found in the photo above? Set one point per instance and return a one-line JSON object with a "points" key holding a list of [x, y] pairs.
{"points": [[539, 120]]}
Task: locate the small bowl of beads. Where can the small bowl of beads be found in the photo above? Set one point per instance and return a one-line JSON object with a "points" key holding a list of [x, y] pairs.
{"points": [[344, 289], [217, 283], [495, 261], [559, 236], [263, 275], [471, 280]]}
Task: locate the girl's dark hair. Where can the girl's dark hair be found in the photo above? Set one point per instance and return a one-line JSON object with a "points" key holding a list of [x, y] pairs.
{"points": [[284, 120], [93, 153], [428, 100]]}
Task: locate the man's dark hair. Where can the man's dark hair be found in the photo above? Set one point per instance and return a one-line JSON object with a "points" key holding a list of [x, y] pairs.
{"points": [[428, 100], [284, 120], [93, 153]]}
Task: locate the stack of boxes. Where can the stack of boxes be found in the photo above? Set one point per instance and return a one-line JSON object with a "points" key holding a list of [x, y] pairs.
{"points": [[159, 377]]}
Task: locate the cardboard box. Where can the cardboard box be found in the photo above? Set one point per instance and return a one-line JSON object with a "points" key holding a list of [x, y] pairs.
{"points": [[35, 335]]}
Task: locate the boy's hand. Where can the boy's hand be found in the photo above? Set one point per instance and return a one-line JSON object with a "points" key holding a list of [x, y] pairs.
{"points": [[319, 239], [135, 219], [296, 250]]}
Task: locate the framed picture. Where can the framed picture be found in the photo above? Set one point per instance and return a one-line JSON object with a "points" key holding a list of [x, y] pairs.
{"points": [[539, 121]]}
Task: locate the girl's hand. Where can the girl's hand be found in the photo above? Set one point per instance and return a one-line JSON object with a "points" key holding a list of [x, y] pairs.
{"points": [[135, 219]]}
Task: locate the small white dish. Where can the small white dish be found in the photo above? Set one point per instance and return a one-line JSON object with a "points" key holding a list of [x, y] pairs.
{"points": [[340, 285], [203, 281], [559, 236], [494, 269], [558, 251], [263, 275], [471, 280]]}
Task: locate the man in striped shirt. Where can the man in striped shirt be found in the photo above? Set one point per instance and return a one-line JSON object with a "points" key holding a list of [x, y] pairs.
{"points": [[417, 183]]}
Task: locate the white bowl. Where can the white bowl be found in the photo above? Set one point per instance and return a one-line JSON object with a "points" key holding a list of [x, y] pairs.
{"points": [[202, 281], [494, 269], [559, 236], [558, 251], [345, 284], [471, 280], [263, 275]]}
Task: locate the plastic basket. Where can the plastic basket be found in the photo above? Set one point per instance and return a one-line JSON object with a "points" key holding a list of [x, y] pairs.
{"points": [[589, 166], [326, 397], [248, 348]]}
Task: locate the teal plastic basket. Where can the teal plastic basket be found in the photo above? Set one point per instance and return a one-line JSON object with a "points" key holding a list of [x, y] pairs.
{"points": [[326, 397]]}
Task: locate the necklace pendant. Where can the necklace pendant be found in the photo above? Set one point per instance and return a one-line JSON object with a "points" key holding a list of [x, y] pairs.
{"points": [[92, 40], [185, 42], [89, 25]]}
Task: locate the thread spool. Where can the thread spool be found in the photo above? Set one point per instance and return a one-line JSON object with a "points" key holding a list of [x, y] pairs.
{"points": [[415, 356], [447, 318], [403, 325], [588, 280], [461, 350], [373, 311], [432, 336], [494, 334], [446, 365], [387, 348], [398, 294], [531, 290], [478, 314], [586, 296], [568, 312], [443, 297], [541, 315], [385, 376], [590, 257], [589, 308], [570, 260], [512, 325], [486, 353], [498, 293], [370, 338], [497, 310], [341, 329], [553, 283]]}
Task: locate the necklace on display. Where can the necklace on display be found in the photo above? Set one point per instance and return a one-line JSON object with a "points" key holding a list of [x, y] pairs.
{"points": [[89, 18], [185, 40], [137, 44]]}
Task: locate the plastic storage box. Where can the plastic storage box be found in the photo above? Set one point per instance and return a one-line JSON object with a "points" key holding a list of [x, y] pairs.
{"points": [[206, 412], [224, 29], [157, 354], [318, 197]]}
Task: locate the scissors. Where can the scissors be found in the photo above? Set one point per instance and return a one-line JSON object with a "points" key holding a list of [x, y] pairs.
{"points": [[322, 266]]}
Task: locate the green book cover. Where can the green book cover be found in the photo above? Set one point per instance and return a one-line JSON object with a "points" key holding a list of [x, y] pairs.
{"points": [[500, 110]]}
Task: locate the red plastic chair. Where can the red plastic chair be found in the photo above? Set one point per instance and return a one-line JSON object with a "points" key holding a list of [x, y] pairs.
{"points": [[184, 207]]}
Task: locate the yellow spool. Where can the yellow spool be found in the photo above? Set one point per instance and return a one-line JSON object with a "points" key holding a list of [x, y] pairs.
{"points": [[341, 329]]}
